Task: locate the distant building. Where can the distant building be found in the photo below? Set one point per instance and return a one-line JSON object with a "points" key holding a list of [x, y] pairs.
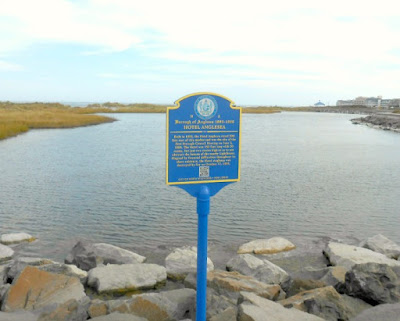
{"points": [[370, 102], [319, 104]]}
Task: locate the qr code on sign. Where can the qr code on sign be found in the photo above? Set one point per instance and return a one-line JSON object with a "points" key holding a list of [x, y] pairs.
{"points": [[204, 171]]}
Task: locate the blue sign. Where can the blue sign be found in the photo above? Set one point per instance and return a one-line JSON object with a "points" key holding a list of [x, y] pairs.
{"points": [[203, 140]]}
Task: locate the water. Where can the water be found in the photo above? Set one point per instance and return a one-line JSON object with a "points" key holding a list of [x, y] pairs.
{"points": [[304, 175]]}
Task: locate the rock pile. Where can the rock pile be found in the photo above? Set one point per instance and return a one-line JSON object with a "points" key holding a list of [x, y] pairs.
{"points": [[102, 282]]}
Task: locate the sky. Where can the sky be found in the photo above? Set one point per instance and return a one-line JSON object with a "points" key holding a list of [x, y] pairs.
{"points": [[286, 53]]}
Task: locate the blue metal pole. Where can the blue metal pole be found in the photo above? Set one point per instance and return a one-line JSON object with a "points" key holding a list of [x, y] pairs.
{"points": [[203, 209]]}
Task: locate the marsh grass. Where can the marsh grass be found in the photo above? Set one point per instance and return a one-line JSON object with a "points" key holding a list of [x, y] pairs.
{"points": [[19, 118]]}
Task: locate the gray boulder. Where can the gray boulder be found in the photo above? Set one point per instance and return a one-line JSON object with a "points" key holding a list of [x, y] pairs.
{"points": [[383, 312], [349, 255], [5, 252], [22, 262], [382, 244], [262, 270], [87, 255], [183, 261], [126, 277], [323, 302], [66, 269], [335, 277], [255, 308], [228, 314], [374, 283], [18, 316], [71, 310], [16, 238]]}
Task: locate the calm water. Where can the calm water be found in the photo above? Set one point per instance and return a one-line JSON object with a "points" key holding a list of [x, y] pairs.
{"points": [[303, 176]]}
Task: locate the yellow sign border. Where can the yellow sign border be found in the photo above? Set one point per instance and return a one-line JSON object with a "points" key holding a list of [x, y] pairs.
{"points": [[177, 106]]}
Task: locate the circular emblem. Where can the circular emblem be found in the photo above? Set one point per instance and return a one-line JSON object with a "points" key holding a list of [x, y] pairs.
{"points": [[205, 107]]}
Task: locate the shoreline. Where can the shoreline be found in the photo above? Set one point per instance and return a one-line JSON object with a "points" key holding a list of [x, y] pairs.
{"points": [[382, 121]]}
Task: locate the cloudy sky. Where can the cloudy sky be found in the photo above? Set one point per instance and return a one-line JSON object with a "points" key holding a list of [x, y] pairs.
{"points": [[255, 52]]}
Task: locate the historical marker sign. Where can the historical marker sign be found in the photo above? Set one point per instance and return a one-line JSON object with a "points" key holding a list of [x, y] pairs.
{"points": [[203, 140]]}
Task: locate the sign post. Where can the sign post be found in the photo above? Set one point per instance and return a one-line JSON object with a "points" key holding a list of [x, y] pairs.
{"points": [[203, 156]]}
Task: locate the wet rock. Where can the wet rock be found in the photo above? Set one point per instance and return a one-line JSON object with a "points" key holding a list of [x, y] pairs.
{"points": [[22, 262], [168, 305], [183, 261], [229, 284], [325, 302], [382, 244], [374, 283], [16, 238], [34, 289], [349, 255], [126, 277], [266, 246], [5, 253], [116, 316], [18, 316], [72, 310], [383, 312], [87, 255], [262, 270], [255, 308]]}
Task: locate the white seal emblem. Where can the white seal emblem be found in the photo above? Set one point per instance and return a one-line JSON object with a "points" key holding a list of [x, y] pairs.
{"points": [[205, 107]]}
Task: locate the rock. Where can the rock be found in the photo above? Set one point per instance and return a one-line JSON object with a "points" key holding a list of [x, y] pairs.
{"points": [[374, 283], [382, 244], [267, 246], [3, 273], [355, 304], [3, 290], [229, 284], [116, 316], [5, 252], [87, 255], [228, 314], [72, 310], [299, 285], [183, 261], [262, 270], [34, 289], [168, 305], [66, 269], [323, 302], [16, 238], [335, 277], [97, 308], [383, 312], [22, 262], [349, 255], [255, 308], [18, 316], [126, 277]]}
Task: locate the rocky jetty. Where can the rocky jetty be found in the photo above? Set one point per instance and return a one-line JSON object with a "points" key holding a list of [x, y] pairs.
{"points": [[385, 121], [103, 282]]}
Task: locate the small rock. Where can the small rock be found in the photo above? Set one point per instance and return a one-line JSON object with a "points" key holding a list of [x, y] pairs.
{"points": [[382, 244], [349, 255], [87, 255], [323, 302], [383, 312], [374, 283], [183, 261], [126, 277], [267, 246], [228, 314], [16, 238], [254, 308], [229, 284], [262, 270], [34, 289], [5, 252], [116, 316], [22, 262]]}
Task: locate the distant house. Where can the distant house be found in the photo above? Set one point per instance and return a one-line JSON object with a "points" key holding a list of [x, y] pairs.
{"points": [[319, 104]]}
